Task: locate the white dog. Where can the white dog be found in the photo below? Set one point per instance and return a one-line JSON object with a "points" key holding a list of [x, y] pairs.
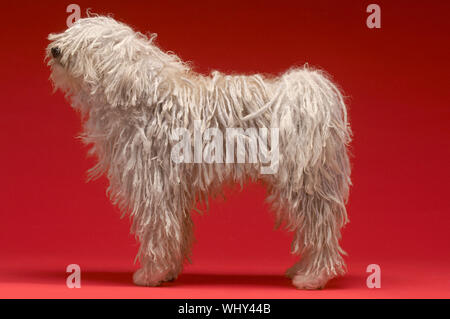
{"points": [[133, 97]]}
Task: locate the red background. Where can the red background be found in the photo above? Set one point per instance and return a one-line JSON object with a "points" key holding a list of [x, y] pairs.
{"points": [[396, 80]]}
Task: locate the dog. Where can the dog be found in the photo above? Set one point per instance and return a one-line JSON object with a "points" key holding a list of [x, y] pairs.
{"points": [[132, 97]]}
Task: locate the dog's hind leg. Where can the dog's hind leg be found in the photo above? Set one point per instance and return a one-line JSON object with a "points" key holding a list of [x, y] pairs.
{"points": [[317, 240], [165, 244], [311, 187], [312, 203]]}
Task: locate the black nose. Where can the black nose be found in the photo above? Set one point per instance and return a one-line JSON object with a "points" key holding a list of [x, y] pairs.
{"points": [[56, 52]]}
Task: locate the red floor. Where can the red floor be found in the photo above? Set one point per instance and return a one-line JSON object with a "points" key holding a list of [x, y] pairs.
{"points": [[399, 279]]}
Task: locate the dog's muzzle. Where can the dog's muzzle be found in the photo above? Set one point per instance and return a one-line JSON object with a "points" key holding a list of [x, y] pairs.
{"points": [[56, 52]]}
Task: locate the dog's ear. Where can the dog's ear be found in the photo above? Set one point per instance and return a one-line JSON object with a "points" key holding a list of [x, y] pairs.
{"points": [[131, 83]]}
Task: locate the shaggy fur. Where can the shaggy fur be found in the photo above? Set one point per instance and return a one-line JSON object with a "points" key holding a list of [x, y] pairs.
{"points": [[132, 95]]}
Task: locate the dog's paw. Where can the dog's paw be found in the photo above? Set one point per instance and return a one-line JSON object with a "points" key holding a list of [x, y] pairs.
{"points": [[142, 278], [310, 281], [171, 276]]}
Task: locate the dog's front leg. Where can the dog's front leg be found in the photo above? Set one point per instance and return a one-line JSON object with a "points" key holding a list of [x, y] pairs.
{"points": [[165, 244]]}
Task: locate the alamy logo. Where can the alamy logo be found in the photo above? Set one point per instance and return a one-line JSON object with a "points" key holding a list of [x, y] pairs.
{"points": [[74, 279], [250, 145], [75, 14]]}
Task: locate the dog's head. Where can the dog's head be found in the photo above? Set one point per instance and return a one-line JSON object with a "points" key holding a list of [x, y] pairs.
{"points": [[100, 61]]}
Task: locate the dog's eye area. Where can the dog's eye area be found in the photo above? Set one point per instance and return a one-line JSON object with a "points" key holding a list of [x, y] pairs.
{"points": [[56, 52]]}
